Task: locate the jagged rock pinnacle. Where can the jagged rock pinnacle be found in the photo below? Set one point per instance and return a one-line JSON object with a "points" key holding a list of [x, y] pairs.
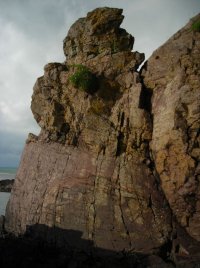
{"points": [[98, 33]]}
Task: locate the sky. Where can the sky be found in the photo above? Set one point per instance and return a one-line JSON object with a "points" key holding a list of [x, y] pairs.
{"points": [[32, 33]]}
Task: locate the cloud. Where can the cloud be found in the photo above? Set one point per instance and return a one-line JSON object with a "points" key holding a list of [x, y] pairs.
{"points": [[11, 146], [32, 32], [18, 63]]}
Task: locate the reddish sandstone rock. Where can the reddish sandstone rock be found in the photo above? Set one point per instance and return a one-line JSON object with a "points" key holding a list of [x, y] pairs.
{"points": [[90, 170], [117, 159]]}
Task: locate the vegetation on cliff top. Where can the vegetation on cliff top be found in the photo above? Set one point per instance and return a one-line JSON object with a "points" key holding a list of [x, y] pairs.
{"points": [[196, 26]]}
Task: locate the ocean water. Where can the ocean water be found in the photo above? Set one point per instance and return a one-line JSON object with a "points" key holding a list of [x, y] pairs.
{"points": [[5, 173]]}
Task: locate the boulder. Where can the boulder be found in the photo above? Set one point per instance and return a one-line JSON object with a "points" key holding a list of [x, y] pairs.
{"points": [[6, 185]]}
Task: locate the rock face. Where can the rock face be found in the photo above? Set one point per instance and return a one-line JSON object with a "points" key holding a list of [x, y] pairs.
{"points": [[173, 73], [101, 166]]}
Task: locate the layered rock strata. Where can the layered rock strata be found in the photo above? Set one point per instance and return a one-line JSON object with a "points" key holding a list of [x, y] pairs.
{"points": [[106, 163]]}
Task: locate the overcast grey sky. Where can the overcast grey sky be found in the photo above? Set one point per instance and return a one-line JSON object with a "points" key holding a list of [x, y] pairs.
{"points": [[32, 32]]}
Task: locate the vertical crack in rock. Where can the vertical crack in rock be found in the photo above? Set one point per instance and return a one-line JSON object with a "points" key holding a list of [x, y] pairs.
{"points": [[55, 206], [32, 205], [150, 205], [121, 208], [145, 99], [112, 196], [95, 192], [146, 104], [121, 147], [46, 189]]}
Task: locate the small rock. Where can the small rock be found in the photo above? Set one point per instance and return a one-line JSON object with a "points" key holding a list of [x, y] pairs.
{"points": [[2, 221]]}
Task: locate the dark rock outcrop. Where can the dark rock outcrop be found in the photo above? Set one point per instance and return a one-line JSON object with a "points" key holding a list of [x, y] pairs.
{"points": [[2, 222], [109, 162], [6, 185]]}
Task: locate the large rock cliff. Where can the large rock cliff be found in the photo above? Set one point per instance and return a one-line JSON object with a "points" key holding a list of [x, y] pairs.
{"points": [[173, 73], [117, 157]]}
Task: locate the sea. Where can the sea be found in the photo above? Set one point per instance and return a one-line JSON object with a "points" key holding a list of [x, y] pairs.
{"points": [[5, 173]]}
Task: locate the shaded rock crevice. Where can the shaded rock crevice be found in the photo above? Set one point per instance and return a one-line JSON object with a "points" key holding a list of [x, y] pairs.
{"points": [[121, 209]]}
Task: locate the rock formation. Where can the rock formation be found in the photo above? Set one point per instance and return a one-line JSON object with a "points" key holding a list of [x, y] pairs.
{"points": [[173, 73], [6, 185], [117, 156]]}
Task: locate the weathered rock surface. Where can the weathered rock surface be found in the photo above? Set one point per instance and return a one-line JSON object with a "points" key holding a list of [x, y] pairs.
{"points": [[101, 166], [173, 73], [6, 185]]}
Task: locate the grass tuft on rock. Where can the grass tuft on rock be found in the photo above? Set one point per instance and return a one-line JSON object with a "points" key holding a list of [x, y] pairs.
{"points": [[84, 79], [196, 26]]}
